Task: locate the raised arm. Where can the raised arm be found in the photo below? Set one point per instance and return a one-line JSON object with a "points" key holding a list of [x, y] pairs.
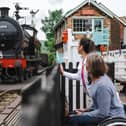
{"points": [[75, 76]]}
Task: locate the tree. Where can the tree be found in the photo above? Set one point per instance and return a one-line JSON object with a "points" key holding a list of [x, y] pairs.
{"points": [[48, 24]]}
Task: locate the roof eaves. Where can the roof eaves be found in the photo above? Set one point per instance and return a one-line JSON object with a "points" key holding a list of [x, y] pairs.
{"points": [[59, 22], [105, 8], [84, 3], [123, 18], [98, 5], [102, 9], [114, 15], [124, 23], [76, 8]]}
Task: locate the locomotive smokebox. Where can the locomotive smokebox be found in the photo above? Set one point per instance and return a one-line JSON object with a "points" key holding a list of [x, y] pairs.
{"points": [[4, 11]]}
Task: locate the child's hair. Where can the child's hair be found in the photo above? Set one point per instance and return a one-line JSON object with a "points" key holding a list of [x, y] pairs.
{"points": [[96, 65]]}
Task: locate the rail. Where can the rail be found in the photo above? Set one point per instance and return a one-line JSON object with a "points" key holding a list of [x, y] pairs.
{"points": [[3, 93]]}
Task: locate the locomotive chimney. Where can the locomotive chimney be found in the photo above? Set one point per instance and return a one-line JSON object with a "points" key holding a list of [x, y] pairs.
{"points": [[4, 11]]}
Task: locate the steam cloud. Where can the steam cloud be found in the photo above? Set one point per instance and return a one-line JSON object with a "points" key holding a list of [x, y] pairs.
{"points": [[55, 1]]}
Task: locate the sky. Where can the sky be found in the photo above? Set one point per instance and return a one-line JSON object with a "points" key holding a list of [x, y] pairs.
{"points": [[117, 6]]}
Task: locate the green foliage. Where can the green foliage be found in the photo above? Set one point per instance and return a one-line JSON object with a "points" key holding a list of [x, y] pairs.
{"points": [[51, 58], [50, 21], [48, 24]]}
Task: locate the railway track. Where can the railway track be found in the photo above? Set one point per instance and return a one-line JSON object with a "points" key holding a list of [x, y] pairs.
{"points": [[10, 102], [9, 108]]}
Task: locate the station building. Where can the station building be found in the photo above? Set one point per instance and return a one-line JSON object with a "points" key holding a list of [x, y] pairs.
{"points": [[92, 19]]}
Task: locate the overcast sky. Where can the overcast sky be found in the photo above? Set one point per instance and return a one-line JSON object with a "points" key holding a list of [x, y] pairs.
{"points": [[117, 6]]}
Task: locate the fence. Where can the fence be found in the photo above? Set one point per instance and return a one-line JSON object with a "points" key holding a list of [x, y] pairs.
{"points": [[73, 90]]}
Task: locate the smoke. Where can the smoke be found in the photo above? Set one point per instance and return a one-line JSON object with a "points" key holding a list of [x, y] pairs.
{"points": [[4, 3], [55, 1]]}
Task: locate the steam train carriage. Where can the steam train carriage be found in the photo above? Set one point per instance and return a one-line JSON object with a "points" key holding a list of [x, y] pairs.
{"points": [[19, 50]]}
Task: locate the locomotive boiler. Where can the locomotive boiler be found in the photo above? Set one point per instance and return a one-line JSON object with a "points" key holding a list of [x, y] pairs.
{"points": [[19, 50]]}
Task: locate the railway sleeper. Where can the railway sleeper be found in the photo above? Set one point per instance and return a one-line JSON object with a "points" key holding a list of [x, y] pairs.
{"points": [[12, 119]]}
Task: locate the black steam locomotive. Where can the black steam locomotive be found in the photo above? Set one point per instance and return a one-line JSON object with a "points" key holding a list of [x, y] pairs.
{"points": [[19, 49]]}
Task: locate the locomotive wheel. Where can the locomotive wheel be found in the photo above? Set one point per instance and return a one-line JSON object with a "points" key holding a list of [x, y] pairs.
{"points": [[114, 122]]}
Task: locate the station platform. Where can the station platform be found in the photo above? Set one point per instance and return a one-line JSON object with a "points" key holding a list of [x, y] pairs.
{"points": [[17, 86]]}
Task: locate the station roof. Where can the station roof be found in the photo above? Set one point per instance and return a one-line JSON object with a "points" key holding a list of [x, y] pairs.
{"points": [[100, 6]]}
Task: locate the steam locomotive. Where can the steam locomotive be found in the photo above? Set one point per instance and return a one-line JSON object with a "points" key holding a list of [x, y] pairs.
{"points": [[19, 49]]}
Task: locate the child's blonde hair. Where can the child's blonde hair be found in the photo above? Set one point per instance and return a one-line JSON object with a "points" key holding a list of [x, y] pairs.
{"points": [[96, 65]]}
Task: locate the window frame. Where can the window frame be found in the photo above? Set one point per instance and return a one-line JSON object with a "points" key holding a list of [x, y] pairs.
{"points": [[92, 20]]}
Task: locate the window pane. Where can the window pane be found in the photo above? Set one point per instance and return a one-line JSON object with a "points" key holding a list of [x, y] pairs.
{"points": [[82, 25], [97, 25]]}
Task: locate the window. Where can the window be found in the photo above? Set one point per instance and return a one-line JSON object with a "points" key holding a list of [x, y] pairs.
{"points": [[82, 25], [97, 25]]}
